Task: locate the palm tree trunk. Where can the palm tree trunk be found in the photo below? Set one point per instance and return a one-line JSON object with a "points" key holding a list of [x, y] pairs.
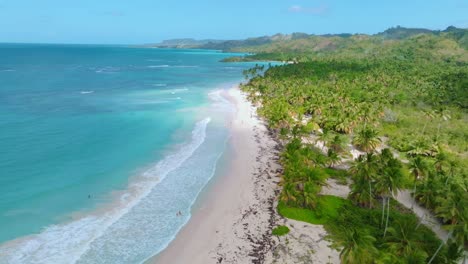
{"points": [[388, 214], [370, 195], [440, 247], [383, 212], [437, 252]]}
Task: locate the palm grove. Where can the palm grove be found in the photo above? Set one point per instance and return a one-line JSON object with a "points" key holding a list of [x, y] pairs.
{"points": [[401, 104]]}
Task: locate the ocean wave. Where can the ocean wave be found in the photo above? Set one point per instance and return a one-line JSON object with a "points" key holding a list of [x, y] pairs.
{"points": [[158, 66], [219, 100], [107, 69], [173, 91], [180, 90], [86, 92], [159, 84], [67, 243], [185, 66]]}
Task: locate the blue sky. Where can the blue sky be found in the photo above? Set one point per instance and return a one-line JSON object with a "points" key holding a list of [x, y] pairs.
{"points": [[149, 21]]}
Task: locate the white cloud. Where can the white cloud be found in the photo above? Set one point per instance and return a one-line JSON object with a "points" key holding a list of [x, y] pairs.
{"points": [[318, 10]]}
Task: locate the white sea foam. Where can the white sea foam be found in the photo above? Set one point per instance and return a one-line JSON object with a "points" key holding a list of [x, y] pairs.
{"points": [[173, 91], [160, 84], [185, 66], [158, 66], [86, 92], [107, 69], [173, 66], [67, 243], [180, 90], [220, 101]]}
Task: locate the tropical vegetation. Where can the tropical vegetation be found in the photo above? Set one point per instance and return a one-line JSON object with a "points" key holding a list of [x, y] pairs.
{"points": [[390, 114]]}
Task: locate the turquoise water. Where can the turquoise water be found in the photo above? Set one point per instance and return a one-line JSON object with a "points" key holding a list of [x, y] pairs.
{"points": [[101, 146]]}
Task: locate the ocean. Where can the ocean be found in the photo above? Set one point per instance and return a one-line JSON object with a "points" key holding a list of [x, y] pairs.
{"points": [[102, 146]]}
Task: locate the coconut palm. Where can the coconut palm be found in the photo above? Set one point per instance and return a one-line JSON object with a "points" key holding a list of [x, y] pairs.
{"points": [[429, 115], [310, 192], [364, 171], [429, 189], [418, 169], [337, 143], [414, 257], [403, 238], [357, 247], [289, 193], [388, 184], [333, 158], [367, 139], [452, 208]]}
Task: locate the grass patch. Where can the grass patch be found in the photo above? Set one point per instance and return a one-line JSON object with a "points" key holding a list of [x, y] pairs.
{"points": [[327, 208], [280, 230], [338, 215], [340, 175]]}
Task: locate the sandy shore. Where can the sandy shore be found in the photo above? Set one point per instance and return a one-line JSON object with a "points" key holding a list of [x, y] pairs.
{"points": [[234, 220], [238, 211]]}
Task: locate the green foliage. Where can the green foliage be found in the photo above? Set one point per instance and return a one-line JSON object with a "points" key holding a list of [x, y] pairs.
{"points": [[280, 230], [411, 86], [327, 209]]}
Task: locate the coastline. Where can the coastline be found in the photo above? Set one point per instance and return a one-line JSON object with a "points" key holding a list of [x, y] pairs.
{"points": [[233, 221], [233, 217]]}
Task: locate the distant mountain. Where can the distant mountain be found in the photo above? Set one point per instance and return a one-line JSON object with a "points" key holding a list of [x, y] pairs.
{"points": [[402, 32], [298, 41], [186, 43]]}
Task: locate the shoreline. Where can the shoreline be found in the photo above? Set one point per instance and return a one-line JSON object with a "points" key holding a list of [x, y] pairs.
{"points": [[236, 211]]}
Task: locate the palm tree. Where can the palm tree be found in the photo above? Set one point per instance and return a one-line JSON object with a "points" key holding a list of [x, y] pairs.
{"points": [[429, 115], [403, 238], [421, 147], [337, 143], [310, 192], [357, 247], [430, 189], [367, 139], [440, 160], [364, 170], [452, 208], [289, 193], [388, 184], [333, 158], [325, 137], [417, 169], [414, 257]]}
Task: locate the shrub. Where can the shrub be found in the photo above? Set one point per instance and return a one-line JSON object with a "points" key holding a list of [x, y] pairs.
{"points": [[280, 230]]}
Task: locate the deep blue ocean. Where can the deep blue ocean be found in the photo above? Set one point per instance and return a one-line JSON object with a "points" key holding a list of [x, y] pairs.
{"points": [[101, 146]]}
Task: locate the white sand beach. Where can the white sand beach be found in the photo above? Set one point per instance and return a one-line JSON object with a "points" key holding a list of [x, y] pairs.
{"points": [[238, 211]]}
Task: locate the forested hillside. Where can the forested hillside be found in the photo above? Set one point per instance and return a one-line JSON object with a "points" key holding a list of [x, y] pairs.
{"points": [[383, 113]]}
